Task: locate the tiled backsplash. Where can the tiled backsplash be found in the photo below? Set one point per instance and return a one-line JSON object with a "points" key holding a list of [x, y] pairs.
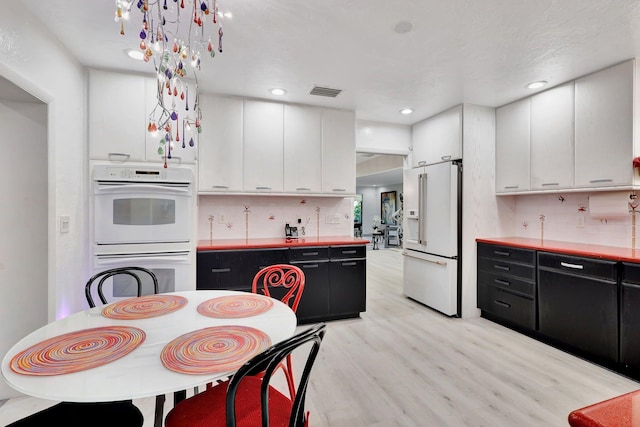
{"points": [[237, 217], [561, 220]]}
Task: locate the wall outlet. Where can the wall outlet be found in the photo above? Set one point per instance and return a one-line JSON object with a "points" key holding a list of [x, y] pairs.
{"points": [[580, 221], [221, 218], [332, 219], [65, 223]]}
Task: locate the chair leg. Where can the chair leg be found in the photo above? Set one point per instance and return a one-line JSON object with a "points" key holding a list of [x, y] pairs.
{"points": [[160, 399], [290, 381]]}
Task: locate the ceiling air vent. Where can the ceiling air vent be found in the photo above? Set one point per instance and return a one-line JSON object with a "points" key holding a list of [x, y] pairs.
{"points": [[325, 91]]}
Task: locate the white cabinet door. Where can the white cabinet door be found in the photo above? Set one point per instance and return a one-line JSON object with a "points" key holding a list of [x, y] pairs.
{"points": [[338, 152], [438, 138], [117, 119], [179, 154], [220, 146], [512, 146], [263, 130], [604, 127], [302, 149], [552, 164]]}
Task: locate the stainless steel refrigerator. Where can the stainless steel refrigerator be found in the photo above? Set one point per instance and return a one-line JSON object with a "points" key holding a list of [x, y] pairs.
{"points": [[432, 236]]}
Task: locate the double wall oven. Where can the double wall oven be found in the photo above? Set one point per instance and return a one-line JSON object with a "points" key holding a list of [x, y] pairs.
{"points": [[143, 216]]}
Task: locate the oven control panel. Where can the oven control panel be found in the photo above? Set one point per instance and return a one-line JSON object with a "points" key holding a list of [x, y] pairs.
{"points": [[141, 174]]}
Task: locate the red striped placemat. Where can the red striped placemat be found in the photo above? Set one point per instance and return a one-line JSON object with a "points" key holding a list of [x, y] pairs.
{"points": [[77, 351], [214, 350], [144, 307], [235, 306]]}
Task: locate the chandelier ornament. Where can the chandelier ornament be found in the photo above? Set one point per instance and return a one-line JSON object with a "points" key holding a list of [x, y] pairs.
{"points": [[174, 35]]}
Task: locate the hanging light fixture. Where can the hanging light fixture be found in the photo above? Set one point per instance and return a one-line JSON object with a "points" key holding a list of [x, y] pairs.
{"points": [[174, 34]]}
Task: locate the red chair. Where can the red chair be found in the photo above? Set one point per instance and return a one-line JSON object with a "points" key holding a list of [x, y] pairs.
{"points": [[287, 279], [248, 400]]}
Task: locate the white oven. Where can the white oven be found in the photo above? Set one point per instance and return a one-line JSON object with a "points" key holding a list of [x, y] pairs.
{"points": [[139, 205], [172, 269]]}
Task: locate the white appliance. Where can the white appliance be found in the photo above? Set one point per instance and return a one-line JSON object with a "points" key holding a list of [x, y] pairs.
{"points": [[143, 217], [432, 236]]}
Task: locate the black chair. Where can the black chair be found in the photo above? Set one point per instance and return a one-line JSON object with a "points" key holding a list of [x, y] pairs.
{"points": [[248, 398], [103, 276]]}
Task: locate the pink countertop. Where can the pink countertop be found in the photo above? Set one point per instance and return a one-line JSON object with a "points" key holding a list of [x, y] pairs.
{"points": [[621, 411], [614, 253], [280, 242]]}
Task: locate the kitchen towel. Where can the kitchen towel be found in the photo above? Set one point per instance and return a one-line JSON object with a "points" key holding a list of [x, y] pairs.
{"points": [[609, 205]]}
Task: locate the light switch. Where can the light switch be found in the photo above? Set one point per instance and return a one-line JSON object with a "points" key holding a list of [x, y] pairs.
{"points": [[65, 221]]}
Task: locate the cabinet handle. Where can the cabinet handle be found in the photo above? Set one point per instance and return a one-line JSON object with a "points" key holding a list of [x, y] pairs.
{"points": [[348, 264], [422, 162], [306, 266], [502, 253], [263, 188], [437, 262], [309, 253], [502, 304], [220, 186], [595, 181], [220, 270], [574, 266], [510, 187], [339, 189], [501, 267], [349, 252], [550, 184], [125, 155], [502, 282], [446, 157], [303, 189]]}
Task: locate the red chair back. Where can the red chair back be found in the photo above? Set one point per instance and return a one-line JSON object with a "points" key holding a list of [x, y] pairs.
{"points": [[286, 276]]}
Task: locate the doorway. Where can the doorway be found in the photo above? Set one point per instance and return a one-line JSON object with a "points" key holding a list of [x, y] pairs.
{"points": [[23, 217]]}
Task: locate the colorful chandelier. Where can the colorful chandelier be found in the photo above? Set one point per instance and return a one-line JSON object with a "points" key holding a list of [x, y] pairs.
{"points": [[174, 35]]}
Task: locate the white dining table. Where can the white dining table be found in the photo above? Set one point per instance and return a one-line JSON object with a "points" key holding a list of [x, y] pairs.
{"points": [[140, 373]]}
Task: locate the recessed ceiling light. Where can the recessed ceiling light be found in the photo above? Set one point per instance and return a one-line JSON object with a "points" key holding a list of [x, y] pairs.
{"points": [[277, 91], [403, 27], [134, 54], [406, 111], [536, 85]]}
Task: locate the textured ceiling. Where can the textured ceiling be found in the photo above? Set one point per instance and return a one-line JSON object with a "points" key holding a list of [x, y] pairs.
{"points": [[481, 52]]}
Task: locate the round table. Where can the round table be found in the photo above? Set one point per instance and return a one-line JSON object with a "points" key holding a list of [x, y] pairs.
{"points": [[141, 372]]}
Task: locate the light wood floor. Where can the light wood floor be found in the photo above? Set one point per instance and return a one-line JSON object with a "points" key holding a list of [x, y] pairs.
{"points": [[402, 364]]}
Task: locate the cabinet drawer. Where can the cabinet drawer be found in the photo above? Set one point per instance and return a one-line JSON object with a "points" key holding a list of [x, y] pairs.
{"points": [[350, 251], [578, 265], [630, 273], [507, 253], [510, 283], [308, 253], [503, 268], [511, 308]]}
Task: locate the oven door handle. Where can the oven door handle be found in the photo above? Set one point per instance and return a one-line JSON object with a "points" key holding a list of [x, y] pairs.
{"points": [[141, 188]]}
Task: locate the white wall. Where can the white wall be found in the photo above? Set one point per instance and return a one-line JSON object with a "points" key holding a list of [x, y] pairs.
{"points": [[269, 214], [35, 61], [382, 138]]}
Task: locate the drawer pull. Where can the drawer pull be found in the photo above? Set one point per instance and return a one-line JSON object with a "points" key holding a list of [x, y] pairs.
{"points": [[220, 270], [501, 253], [574, 266], [502, 282], [309, 253], [501, 267], [349, 252], [502, 304], [306, 266], [348, 264]]}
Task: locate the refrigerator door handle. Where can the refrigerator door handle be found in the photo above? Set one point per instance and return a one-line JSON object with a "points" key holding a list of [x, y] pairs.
{"points": [[422, 209]]}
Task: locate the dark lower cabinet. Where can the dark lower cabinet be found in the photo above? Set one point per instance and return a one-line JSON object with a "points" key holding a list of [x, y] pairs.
{"points": [[578, 304], [335, 277], [630, 318]]}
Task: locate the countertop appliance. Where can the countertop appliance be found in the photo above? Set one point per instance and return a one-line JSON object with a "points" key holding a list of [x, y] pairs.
{"points": [[433, 236]]}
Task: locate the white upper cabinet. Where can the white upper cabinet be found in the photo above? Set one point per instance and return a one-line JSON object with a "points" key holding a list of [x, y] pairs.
{"points": [[604, 143], [552, 164], [220, 145], [302, 149], [338, 152], [117, 119], [512, 146], [263, 129], [438, 138]]}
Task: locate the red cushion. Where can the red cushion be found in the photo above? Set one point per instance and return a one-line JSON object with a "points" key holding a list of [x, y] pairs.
{"points": [[209, 407]]}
